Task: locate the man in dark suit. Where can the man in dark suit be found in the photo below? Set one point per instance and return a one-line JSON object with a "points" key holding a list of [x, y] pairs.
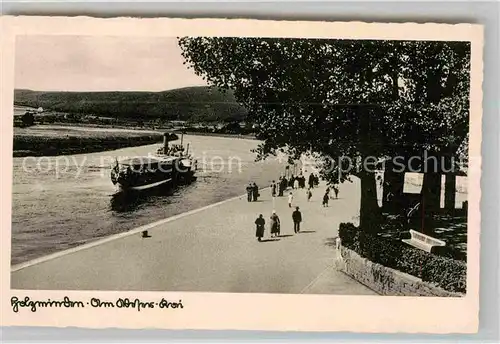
{"points": [[249, 192], [297, 219]]}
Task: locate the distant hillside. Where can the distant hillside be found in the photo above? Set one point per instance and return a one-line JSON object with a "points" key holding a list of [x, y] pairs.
{"points": [[198, 104]]}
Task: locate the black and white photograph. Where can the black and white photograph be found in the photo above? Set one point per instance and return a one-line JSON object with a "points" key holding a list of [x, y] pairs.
{"points": [[240, 164]]}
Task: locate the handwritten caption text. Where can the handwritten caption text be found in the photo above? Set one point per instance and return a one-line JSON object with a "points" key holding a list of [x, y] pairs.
{"points": [[66, 302]]}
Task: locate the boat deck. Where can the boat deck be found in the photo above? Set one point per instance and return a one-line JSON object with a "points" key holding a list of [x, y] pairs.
{"points": [[147, 160]]}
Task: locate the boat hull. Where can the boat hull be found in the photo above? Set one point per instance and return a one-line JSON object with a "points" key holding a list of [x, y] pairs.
{"points": [[146, 176], [127, 187]]}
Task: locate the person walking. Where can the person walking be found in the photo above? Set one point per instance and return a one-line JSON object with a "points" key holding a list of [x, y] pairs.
{"points": [[273, 189], [249, 192], [336, 191], [296, 183], [255, 192], [290, 199], [283, 185], [309, 194], [297, 219], [310, 181], [302, 182], [260, 223], [275, 225], [325, 199], [315, 180]]}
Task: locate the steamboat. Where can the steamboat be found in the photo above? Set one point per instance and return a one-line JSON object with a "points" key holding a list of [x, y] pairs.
{"points": [[170, 164]]}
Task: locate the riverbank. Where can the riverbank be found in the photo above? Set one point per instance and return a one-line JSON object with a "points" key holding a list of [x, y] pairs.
{"points": [[53, 141], [233, 136]]}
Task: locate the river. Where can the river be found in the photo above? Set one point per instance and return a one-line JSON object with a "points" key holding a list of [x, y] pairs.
{"points": [[62, 202]]}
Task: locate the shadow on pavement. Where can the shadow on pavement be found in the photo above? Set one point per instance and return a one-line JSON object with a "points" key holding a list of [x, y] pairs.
{"points": [[307, 232], [268, 240], [332, 242]]}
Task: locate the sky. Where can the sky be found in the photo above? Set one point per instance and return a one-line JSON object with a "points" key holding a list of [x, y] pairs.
{"points": [[100, 63]]}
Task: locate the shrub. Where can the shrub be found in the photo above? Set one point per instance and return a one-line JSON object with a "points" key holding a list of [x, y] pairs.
{"points": [[445, 272]]}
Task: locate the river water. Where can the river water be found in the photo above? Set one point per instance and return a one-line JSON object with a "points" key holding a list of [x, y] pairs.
{"points": [[62, 202]]}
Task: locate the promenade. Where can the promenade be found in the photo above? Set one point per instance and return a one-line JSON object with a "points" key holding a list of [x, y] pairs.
{"points": [[213, 250]]}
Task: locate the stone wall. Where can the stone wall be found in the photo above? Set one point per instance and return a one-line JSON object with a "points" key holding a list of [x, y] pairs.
{"points": [[384, 280]]}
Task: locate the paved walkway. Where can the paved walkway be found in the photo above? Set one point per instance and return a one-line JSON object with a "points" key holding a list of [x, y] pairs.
{"points": [[214, 250]]}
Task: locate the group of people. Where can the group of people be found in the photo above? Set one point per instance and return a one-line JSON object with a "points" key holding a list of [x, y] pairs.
{"points": [[275, 225], [277, 190], [252, 192], [313, 181], [279, 187], [326, 196]]}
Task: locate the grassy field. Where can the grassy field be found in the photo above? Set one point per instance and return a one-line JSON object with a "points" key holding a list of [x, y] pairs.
{"points": [[52, 140]]}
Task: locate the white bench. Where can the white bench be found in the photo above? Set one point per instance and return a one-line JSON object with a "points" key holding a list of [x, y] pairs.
{"points": [[422, 241]]}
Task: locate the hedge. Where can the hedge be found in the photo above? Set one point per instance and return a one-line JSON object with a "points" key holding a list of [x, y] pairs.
{"points": [[447, 273]]}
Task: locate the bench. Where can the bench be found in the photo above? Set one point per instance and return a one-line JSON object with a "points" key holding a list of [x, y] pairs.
{"points": [[422, 241]]}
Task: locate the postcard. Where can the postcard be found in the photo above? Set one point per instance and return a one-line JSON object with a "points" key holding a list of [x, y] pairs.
{"points": [[241, 174]]}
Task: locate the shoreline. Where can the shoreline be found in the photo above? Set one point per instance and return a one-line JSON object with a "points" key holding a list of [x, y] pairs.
{"points": [[233, 136], [143, 129]]}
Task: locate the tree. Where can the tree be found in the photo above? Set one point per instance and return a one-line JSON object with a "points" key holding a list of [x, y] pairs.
{"points": [[28, 119], [231, 128], [360, 100]]}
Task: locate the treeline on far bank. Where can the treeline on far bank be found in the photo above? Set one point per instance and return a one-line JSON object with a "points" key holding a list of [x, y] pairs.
{"points": [[201, 104], [53, 145]]}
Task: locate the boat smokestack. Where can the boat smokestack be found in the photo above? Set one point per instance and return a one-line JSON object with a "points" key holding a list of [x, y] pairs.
{"points": [[165, 142]]}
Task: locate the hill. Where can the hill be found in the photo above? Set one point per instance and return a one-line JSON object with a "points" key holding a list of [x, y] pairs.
{"points": [[196, 104]]}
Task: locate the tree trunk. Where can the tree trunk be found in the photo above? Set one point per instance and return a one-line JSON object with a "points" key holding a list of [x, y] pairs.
{"points": [[369, 214], [431, 191], [449, 191], [393, 190], [430, 200]]}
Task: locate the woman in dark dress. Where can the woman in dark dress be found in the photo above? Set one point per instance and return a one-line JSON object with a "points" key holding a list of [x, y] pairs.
{"points": [[260, 222], [273, 189], [275, 225]]}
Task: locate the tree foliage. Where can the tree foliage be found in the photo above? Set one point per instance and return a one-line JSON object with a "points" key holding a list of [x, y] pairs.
{"points": [[28, 119], [343, 98], [311, 93], [196, 104]]}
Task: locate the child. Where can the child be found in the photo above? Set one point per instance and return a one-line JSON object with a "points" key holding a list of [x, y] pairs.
{"points": [[325, 199], [309, 194], [290, 200], [336, 190]]}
